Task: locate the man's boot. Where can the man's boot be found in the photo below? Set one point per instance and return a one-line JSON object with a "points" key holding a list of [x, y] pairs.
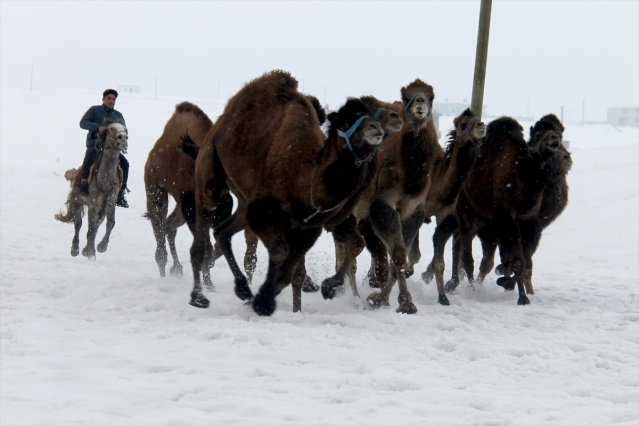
{"points": [[121, 201]]}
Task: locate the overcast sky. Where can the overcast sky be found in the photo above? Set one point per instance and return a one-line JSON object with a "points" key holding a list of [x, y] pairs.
{"points": [[543, 55]]}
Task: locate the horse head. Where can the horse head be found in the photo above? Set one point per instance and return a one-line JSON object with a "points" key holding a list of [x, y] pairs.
{"points": [[117, 137]]}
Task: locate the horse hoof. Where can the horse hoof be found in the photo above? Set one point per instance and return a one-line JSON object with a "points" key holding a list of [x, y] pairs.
{"points": [[427, 276], [198, 300], [377, 300], [451, 285], [507, 283], [264, 306], [443, 300], [309, 286], [523, 300], [176, 271]]}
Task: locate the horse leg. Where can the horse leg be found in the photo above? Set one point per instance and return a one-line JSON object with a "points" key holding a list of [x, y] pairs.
{"points": [[387, 225], [110, 224], [77, 224], [92, 224], [173, 222]]}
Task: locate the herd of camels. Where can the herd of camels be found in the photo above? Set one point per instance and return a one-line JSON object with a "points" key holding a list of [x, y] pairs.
{"points": [[371, 176]]}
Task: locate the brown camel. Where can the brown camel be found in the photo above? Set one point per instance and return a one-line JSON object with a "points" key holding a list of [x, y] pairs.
{"points": [[505, 192], [451, 171], [289, 179], [389, 213]]}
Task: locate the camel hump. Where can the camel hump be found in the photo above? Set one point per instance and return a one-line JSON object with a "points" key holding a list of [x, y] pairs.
{"points": [[283, 84], [187, 107]]}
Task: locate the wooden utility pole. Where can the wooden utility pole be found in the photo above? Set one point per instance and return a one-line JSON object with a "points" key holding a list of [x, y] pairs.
{"points": [[481, 57]]}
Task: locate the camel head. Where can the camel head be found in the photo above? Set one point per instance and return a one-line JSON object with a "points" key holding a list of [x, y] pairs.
{"points": [[417, 99], [469, 124], [384, 113], [546, 139]]}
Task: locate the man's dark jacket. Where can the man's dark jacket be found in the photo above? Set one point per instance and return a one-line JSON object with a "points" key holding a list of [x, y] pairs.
{"points": [[92, 119]]}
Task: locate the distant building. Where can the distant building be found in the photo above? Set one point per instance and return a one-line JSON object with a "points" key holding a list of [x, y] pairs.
{"points": [[129, 88], [623, 116]]}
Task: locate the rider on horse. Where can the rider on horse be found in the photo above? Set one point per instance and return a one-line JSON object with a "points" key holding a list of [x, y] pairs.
{"points": [[92, 121]]}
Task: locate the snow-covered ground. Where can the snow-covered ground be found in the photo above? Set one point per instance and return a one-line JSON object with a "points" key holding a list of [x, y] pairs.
{"points": [[111, 343]]}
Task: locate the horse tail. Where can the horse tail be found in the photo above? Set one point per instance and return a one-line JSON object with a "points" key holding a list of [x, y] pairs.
{"points": [[73, 205]]}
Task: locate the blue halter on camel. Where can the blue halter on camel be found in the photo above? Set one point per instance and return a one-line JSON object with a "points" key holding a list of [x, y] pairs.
{"points": [[347, 137], [410, 101]]}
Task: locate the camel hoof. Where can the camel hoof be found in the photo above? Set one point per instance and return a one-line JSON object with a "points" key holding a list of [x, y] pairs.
{"points": [[507, 283], [176, 271], [451, 285], [523, 300], [501, 270], [75, 251], [408, 272], [208, 285], [264, 306], [309, 286], [330, 286], [242, 289], [198, 300], [377, 300], [427, 276], [102, 248], [407, 309], [443, 300]]}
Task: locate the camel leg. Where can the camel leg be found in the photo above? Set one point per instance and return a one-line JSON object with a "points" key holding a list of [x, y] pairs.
{"points": [[347, 236], [200, 251], [173, 222], [386, 224], [531, 235], [157, 207], [488, 245], [223, 234], [378, 272], [410, 233], [442, 233], [510, 238], [250, 256], [281, 269]]}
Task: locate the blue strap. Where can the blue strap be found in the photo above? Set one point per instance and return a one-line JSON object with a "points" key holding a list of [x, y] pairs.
{"points": [[347, 137], [410, 101]]}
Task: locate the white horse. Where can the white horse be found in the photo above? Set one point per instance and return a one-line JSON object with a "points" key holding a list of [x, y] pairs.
{"points": [[105, 181]]}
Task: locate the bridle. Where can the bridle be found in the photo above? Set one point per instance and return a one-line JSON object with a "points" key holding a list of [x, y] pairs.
{"points": [[112, 141]]}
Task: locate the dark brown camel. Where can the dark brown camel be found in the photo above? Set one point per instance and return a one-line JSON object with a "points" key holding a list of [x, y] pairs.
{"points": [[186, 202], [451, 171], [505, 192], [289, 179], [389, 213]]}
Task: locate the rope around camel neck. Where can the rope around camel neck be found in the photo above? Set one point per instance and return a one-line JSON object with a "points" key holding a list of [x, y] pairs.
{"points": [[318, 210]]}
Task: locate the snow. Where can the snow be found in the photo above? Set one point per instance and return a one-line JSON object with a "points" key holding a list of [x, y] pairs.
{"points": [[111, 343]]}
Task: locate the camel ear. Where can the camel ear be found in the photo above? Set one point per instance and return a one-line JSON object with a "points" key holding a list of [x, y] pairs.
{"points": [[331, 117]]}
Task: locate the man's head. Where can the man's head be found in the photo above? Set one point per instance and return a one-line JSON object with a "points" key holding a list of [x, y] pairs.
{"points": [[108, 98]]}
